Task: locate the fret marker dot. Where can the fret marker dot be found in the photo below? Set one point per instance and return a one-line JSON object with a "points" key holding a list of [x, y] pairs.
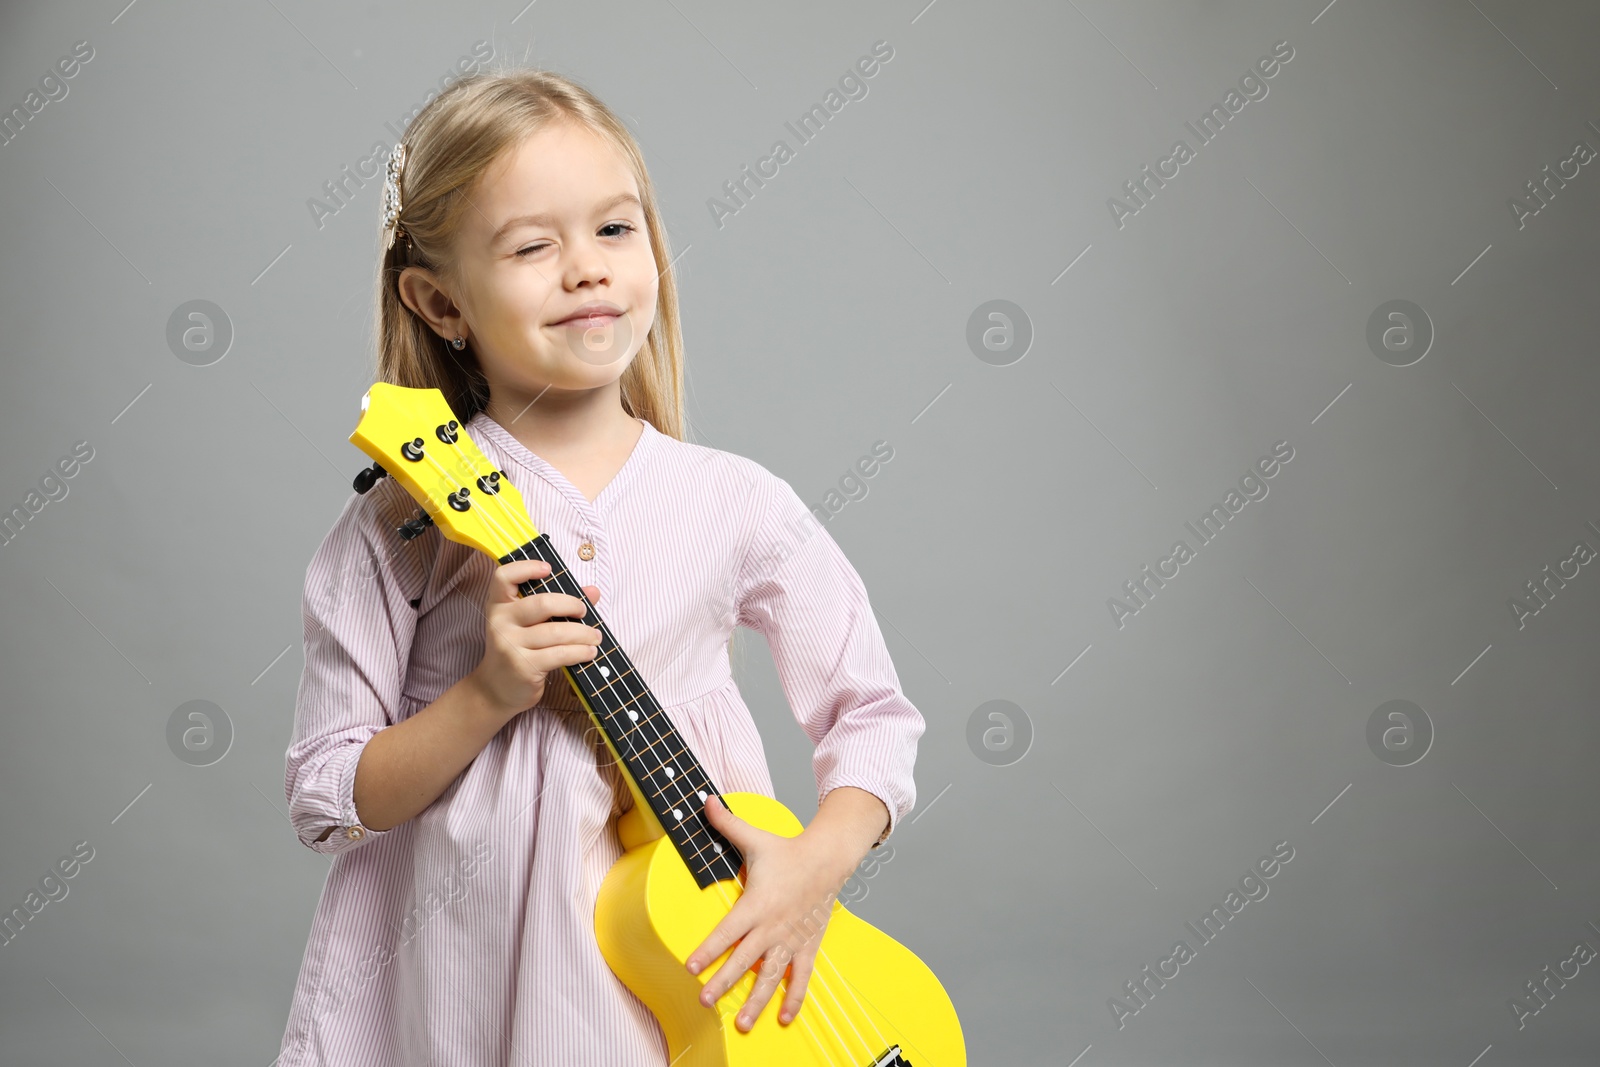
{"points": [[634, 715], [677, 813], [670, 771], [702, 796], [605, 672], [716, 848]]}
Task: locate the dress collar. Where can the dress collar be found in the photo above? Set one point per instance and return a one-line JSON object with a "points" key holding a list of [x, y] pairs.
{"points": [[521, 455]]}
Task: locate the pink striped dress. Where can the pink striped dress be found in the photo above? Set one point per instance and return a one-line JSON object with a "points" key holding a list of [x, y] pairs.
{"points": [[465, 936]]}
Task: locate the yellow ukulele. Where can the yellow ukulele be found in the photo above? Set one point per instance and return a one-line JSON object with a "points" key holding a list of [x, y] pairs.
{"points": [[870, 1001]]}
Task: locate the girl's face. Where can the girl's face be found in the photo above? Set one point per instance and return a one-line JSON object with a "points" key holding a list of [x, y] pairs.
{"points": [[555, 229]]}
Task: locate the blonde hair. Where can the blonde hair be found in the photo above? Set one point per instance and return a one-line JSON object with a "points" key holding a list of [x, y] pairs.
{"points": [[449, 145]]}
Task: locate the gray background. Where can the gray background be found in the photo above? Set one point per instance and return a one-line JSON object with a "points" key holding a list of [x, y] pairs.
{"points": [[831, 312]]}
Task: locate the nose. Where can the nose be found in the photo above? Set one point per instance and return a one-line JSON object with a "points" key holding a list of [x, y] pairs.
{"points": [[587, 265]]}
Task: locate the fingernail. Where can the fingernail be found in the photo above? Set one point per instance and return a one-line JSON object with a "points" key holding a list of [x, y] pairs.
{"points": [[694, 966]]}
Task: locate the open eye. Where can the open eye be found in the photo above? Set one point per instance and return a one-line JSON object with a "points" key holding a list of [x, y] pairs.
{"points": [[626, 227]]}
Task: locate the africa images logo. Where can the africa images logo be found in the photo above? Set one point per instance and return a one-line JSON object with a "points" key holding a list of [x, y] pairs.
{"points": [[1252, 487], [1253, 86]]}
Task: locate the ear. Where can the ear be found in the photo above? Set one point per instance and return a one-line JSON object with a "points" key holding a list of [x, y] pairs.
{"points": [[423, 292]]}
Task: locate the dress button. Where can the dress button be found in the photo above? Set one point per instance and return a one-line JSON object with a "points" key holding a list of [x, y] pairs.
{"points": [[354, 833], [586, 551]]}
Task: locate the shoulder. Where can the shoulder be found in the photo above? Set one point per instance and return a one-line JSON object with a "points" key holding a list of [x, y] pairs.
{"points": [[376, 515], [758, 506], [728, 476], [365, 538]]}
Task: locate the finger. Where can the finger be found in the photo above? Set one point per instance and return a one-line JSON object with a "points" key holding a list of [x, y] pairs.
{"points": [[558, 634], [714, 802], [722, 819], [547, 663], [744, 956], [508, 576], [773, 964], [592, 592], [541, 606], [733, 926], [799, 975]]}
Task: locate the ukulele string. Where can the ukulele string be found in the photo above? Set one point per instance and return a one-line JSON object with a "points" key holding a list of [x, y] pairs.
{"points": [[820, 980], [682, 786], [817, 970], [520, 551], [820, 1006], [817, 973]]}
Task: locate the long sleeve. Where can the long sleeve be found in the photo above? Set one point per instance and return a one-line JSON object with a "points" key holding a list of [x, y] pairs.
{"points": [[797, 589], [358, 626]]}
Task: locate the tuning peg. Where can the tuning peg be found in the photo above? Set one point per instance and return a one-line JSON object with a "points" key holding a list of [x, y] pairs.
{"points": [[412, 528], [369, 477]]}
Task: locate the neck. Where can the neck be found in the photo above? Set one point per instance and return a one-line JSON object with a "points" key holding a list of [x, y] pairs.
{"points": [[553, 422]]}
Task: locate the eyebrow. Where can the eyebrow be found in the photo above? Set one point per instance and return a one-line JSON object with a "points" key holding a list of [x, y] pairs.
{"points": [[545, 218]]}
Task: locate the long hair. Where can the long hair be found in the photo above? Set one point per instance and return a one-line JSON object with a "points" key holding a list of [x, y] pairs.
{"points": [[449, 145]]}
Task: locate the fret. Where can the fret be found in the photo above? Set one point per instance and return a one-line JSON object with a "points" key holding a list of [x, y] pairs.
{"points": [[637, 727], [635, 724], [650, 745]]}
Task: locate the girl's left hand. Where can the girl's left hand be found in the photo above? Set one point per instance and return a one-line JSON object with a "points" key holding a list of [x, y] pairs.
{"points": [[790, 886]]}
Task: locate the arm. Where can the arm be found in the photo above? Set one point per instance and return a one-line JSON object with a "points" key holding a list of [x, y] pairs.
{"points": [[797, 588], [853, 821], [358, 629], [405, 767], [356, 768]]}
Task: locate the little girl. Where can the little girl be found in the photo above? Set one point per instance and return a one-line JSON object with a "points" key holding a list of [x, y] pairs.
{"points": [[439, 753]]}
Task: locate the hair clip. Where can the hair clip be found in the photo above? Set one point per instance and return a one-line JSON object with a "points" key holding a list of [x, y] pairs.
{"points": [[391, 196]]}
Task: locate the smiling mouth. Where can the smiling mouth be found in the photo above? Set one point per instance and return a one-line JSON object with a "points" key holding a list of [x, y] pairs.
{"points": [[598, 318]]}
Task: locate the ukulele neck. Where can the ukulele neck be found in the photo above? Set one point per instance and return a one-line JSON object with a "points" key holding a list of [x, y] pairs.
{"points": [[663, 769]]}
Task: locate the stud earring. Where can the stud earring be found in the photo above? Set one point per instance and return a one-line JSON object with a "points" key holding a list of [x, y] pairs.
{"points": [[459, 343]]}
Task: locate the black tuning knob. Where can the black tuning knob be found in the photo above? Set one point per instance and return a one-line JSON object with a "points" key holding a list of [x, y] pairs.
{"points": [[369, 477], [412, 528]]}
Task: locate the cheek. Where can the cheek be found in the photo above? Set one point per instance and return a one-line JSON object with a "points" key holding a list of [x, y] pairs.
{"points": [[521, 303], [644, 284], [642, 267]]}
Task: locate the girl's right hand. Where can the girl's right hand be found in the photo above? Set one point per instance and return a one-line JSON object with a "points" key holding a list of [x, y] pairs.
{"points": [[521, 645]]}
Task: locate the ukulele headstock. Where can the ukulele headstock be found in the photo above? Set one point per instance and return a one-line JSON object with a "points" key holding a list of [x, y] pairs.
{"points": [[417, 440]]}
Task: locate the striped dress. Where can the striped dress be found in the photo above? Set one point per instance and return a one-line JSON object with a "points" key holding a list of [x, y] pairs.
{"points": [[464, 937]]}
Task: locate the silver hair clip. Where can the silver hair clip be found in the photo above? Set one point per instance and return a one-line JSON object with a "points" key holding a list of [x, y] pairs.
{"points": [[391, 196]]}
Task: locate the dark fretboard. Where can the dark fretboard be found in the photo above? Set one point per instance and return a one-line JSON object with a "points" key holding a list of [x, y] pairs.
{"points": [[654, 754]]}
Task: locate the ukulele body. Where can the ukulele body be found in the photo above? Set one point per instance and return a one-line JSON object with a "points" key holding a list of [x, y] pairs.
{"points": [[867, 992]]}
